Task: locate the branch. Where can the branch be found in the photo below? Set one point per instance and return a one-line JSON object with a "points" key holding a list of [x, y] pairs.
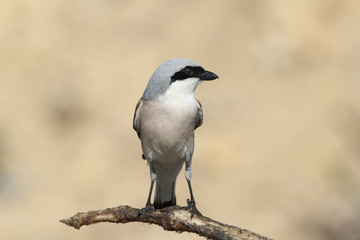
{"points": [[172, 219]]}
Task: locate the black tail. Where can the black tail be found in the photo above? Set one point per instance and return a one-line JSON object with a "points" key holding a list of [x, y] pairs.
{"points": [[164, 198]]}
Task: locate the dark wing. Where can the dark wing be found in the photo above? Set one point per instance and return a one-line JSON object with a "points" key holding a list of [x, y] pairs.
{"points": [[199, 116], [136, 120]]}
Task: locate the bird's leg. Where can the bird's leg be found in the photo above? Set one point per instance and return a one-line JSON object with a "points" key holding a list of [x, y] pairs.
{"points": [[148, 205], [191, 205]]}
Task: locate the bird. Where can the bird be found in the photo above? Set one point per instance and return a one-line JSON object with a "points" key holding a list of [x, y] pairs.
{"points": [[165, 119]]}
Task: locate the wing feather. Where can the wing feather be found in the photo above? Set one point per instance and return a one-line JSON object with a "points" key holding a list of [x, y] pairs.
{"points": [[200, 116], [136, 119]]}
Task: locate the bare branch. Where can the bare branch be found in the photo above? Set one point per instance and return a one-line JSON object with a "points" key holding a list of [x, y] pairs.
{"points": [[172, 219]]}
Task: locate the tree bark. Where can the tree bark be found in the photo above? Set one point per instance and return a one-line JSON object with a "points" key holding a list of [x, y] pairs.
{"points": [[172, 218]]}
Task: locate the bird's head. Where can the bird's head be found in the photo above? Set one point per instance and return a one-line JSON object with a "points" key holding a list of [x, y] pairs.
{"points": [[178, 76]]}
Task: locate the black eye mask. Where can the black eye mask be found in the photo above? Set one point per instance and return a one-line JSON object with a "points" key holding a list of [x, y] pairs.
{"points": [[187, 72]]}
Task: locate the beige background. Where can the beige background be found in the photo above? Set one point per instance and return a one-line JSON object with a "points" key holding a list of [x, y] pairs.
{"points": [[279, 149]]}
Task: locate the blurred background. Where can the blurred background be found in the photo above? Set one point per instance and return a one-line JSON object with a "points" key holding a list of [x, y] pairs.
{"points": [[279, 150]]}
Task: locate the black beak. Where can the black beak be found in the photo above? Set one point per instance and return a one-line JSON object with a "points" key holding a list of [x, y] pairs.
{"points": [[208, 76]]}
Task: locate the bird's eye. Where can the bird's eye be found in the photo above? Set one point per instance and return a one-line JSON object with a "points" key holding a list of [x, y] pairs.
{"points": [[188, 71]]}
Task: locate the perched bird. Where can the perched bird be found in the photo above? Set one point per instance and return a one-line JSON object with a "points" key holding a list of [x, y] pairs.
{"points": [[165, 119]]}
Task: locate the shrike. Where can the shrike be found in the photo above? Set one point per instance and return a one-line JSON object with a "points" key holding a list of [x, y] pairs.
{"points": [[165, 119]]}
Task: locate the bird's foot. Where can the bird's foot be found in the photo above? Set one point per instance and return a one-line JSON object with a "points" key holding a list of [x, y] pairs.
{"points": [[148, 207], [191, 206]]}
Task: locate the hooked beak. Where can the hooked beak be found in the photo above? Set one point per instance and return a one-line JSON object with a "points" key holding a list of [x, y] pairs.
{"points": [[208, 76]]}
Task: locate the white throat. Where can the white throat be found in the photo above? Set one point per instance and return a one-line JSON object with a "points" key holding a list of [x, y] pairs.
{"points": [[182, 89]]}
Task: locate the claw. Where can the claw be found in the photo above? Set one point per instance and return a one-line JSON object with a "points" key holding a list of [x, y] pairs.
{"points": [[191, 206], [148, 207]]}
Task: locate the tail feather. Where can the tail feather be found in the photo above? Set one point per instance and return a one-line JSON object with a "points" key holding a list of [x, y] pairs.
{"points": [[164, 197]]}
